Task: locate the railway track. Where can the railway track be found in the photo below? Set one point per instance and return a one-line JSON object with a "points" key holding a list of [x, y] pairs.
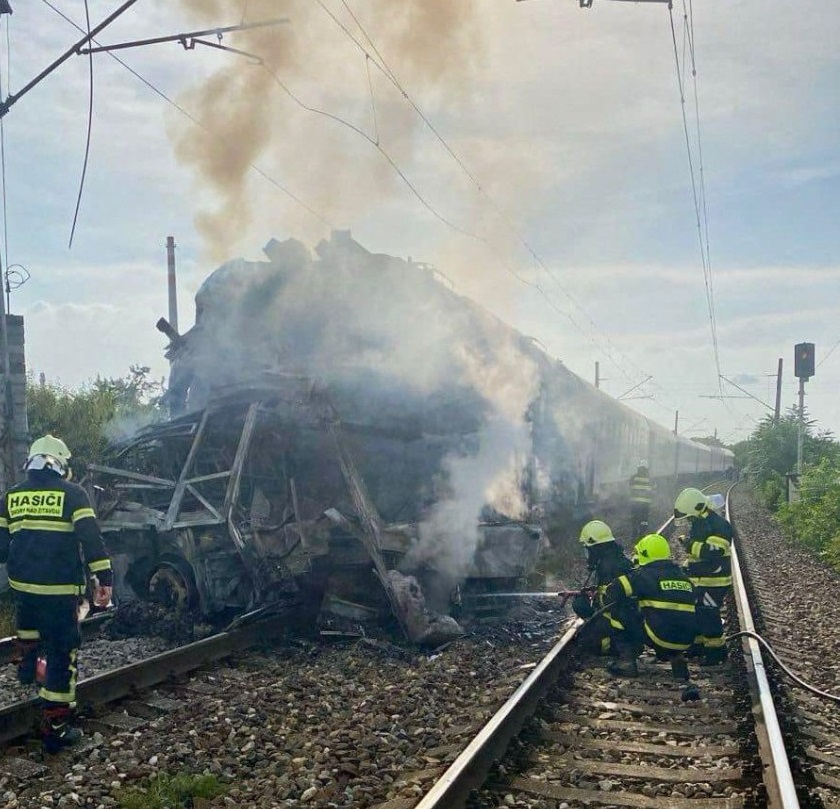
{"points": [[573, 737], [569, 737]]}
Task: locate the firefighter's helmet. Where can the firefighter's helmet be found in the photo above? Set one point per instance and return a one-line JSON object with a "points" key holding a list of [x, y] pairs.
{"points": [[49, 452], [652, 547], [690, 503], [595, 532]]}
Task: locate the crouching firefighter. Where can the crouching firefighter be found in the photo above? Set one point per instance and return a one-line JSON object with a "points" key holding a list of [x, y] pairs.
{"points": [[709, 566], [47, 526], [606, 560], [664, 597]]}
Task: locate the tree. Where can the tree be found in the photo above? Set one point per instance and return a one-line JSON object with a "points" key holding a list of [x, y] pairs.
{"points": [[770, 452], [91, 417]]}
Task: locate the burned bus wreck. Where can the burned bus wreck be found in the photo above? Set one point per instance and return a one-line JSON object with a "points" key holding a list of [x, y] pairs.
{"points": [[259, 498]]}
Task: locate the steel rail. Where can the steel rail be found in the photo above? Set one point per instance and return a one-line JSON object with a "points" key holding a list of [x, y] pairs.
{"points": [[781, 790], [19, 718], [470, 769], [472, 766]]}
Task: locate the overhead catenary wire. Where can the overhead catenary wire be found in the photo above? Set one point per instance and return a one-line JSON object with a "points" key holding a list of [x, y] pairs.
{"points": [[3, 151], [707, 280], [187, 114], [87, 137]]}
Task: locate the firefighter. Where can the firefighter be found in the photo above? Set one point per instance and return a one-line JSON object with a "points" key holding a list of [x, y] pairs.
{"points": [[606, 560], [641, 494], [664, 596], [47, 526], [708, 545]]}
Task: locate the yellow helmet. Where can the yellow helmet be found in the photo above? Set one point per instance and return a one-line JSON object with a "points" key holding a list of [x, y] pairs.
{"points": [[690, 503], [595, 532], [652, 547], [49, 452]]}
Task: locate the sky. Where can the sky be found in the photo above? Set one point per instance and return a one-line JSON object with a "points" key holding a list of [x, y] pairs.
{"points": [[549, 169]]}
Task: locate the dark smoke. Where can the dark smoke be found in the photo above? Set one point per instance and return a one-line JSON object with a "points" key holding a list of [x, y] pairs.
{"points": [[435, 44]]}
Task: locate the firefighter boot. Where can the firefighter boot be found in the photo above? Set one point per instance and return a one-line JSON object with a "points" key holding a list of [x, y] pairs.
{"points": [[56, 731], [714, 656], [626, 665], [679, 668], [25, 654]]}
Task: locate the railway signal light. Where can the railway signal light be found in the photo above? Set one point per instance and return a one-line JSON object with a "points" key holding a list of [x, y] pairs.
{"points": [[803, 364]]}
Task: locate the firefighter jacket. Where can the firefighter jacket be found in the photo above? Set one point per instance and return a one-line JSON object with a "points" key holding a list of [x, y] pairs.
{"points": [[665, 598], [46, 525], [608, 562], [641, 490], [709, 547]]}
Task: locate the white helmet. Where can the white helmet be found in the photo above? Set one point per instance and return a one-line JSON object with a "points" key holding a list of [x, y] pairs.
{"points": [[642, 462], [49, 452]]}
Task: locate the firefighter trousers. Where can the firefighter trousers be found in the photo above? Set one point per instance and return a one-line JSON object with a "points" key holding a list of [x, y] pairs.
{"points": [[709, 638], [49, 624]]}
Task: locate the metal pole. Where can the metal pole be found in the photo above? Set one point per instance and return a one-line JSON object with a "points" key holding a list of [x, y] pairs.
{"points": [[597, 374], [7, 405], [801, 423], [778, 412], [676, 444], [173, 288]]}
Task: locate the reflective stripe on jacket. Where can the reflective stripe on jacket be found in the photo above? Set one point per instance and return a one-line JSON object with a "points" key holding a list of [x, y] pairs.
{"points": [[666, 600], [640, 488], [47, 525]]}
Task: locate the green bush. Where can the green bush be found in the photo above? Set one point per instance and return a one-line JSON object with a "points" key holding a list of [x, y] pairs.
{"points": [[814, 519], [172, 792]]}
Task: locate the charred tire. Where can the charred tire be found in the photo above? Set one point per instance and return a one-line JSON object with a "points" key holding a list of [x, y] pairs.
{"points": [[172, 584]]}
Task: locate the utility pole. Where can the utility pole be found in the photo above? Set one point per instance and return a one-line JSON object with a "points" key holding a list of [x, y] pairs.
{"points": [[597, 374], [173, 287], [778, 412], [676, 444]]}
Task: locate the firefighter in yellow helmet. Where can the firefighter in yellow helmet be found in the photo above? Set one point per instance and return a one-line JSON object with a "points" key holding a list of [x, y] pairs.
{"points": [[709, 548], [47, 526], [664, 596], [606, 559]]}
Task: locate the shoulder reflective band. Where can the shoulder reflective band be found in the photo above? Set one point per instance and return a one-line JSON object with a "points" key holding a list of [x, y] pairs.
{"points": [[81, 513], [626, 586]]}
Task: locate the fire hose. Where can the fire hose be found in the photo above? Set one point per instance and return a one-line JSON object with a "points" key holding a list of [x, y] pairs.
{"points": [[793, 676]]}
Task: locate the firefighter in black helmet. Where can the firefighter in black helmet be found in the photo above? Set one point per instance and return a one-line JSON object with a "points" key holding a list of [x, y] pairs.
{"points": [[709, 566], [665, 598], [47, 526]]}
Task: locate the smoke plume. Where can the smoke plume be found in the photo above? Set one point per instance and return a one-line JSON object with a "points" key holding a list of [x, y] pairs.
{"points": [[249, 117]]}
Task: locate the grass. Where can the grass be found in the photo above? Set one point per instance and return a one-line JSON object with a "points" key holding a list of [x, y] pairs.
{"points": [[172, 792]]}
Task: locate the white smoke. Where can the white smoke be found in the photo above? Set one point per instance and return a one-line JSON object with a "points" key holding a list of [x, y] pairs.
{"points": [[492, 475]]}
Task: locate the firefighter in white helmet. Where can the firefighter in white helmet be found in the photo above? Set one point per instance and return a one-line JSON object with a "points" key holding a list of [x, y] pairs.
{"points": [[709, 547], [47, 526]]}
